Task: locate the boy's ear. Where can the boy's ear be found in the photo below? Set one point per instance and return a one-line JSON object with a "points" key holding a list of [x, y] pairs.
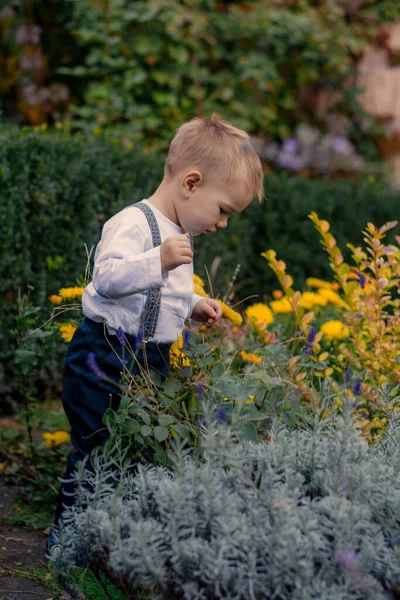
{"points": [[191, 180]]}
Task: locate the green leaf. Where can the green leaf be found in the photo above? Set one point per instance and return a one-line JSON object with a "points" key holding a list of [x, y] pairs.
{"points": [[320, 366], [246, 432], [27, 359], [165, 420], [160, 433], [40, 334], [218, 370], [110, 417], [171, 387], [124, 402], [130, 427], [182, 429], [146, 431], [145, 416], [250, 413]]}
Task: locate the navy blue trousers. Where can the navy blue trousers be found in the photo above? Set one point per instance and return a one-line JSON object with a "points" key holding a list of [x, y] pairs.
{"points": [[86, 398]]}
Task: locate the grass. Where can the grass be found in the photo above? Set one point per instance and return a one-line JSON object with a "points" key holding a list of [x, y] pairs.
{"points": [[83, 578]]}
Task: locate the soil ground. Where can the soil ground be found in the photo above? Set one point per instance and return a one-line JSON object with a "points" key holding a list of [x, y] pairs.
{"points": [[21, 550]]}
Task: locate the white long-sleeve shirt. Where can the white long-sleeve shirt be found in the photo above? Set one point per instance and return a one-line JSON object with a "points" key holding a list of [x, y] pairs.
{"points": [[126, 265]]}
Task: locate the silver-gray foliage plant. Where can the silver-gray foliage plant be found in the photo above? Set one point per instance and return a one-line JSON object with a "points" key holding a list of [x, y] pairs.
{"points": [[313, 514]]}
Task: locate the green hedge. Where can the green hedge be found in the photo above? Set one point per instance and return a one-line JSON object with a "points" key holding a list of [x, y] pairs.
{"points": [[56, 190]]}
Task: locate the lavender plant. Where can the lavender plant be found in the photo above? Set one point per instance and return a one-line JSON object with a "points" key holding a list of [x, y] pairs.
{"points": [[313, 514]]}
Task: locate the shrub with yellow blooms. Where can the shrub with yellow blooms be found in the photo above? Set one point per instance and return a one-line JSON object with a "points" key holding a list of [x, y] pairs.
{"points": [[354, 322]]}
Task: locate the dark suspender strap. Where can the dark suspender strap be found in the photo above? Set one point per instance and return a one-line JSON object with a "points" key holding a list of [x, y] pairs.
{"points": [[151, 311], [153, 302]]}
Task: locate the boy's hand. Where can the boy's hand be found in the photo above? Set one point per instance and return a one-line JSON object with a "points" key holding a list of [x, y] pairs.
{"points": [[175, 251], [207, 311]]}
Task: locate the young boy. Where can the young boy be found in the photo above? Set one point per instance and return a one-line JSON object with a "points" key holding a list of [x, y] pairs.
{"points": [[141, 293]]}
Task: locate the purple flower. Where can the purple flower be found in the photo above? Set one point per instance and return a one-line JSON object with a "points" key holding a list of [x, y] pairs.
{"points": [[94, 367], [186, 371], [221, 416], [310, 339], [139, 339], [311, 335], [27, 34], [186, 337], [199, 390], [142, 401], [347, 376], [121, 336], [348, 559], [361, 278], [357, 388], [341, 145], [290, 145], [290, 161]]}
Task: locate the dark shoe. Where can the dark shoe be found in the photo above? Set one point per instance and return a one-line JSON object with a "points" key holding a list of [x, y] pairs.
{"points": [[53, 547], [53, 550]]}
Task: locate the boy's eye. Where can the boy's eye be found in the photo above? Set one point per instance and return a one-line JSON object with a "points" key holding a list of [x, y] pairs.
{"points": [[222, 211]]}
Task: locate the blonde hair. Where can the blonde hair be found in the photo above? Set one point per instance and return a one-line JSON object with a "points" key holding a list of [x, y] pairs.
{"points": [[216, 147]]}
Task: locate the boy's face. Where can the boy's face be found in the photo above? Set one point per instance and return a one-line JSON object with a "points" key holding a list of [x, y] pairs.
{"points": [[208, 206]]}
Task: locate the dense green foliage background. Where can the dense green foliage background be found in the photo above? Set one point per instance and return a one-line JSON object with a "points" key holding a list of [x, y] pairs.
{"points": [[56, 191], [146, 67]]}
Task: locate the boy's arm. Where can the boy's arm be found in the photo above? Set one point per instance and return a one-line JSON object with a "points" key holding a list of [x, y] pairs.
{"points": [[122, 266]]}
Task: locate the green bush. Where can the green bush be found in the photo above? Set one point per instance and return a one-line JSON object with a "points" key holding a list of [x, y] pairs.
{"points": [[56, 191], [149, 66]]}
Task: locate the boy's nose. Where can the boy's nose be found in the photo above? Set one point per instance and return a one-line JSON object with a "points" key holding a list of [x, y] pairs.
{"points": [[222, 223]]}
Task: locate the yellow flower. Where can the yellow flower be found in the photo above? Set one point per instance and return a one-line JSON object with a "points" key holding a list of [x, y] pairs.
{"points": [[250, 357], [235, 329], [198, 280], [67, 330], [281, 306], [199, 290], [230, 314], [314, 282], [277, 294], [71, 293], [57, 438], [334, 330], [2, 467], [178, 358], [55, 299], [259, 314], [310, 299], [198, 286], [250, 400], [332, 297]]}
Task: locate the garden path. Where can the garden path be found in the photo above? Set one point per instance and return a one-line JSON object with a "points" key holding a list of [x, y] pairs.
{"points": [[21, 550]]}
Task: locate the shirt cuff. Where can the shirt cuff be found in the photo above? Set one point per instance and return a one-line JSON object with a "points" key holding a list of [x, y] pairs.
{"points": [[157, 278], [195, 299]]}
